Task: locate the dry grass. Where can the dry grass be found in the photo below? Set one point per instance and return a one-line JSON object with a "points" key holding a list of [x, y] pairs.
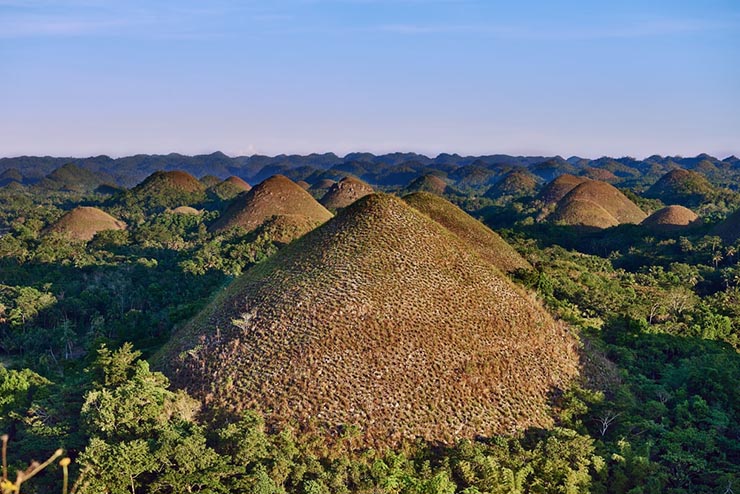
{"points": [[608, 197], [553, 192], [323, 184], [82, 223], [276, 196], [345, 192], [599, 174], [672, 218], [678, 185], [582, 213], [185, 210], [380, 318], [484, 241]]}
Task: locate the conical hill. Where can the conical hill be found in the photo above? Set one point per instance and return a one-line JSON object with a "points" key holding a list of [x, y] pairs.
{"points": [[383, 319], [672, 218], [484, 241], [603, 195], [278, 195], [82, 223], [345, 192]]}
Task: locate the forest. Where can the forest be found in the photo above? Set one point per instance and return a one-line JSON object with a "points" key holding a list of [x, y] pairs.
{"points": [[85, 313]]}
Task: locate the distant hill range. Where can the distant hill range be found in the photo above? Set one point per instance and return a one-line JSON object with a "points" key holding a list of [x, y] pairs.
{"points": [[387, 171]]}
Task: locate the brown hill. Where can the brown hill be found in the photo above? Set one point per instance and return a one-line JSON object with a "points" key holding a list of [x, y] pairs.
{"points": [[484, 241], [559, 187], [599, 174], [185, 210], [516, 183], [345, 192], [303, 184], [607, 197], [582, 213], [82, 223], [238, 182], [210, 180], [671, 218], [380, 318], [277, 195]]}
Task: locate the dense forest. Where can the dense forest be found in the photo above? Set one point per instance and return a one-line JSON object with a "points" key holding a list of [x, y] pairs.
{"points": [[640, 259]]}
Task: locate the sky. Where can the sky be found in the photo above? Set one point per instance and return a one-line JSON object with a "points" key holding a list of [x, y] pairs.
{"points": [[587, 78]]}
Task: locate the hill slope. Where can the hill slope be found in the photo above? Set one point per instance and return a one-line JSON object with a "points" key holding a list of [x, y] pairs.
{"points": [[558, 188], [484, 241], [683, 187], [380, 318], [516, 183], [278, 195], [345, 192], [671, 217], [167, 190], [605, 196], [82, 223], [429, 183]]}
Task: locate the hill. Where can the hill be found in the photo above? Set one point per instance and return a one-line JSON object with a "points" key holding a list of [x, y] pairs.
{"points": [[684, 187], [278, 195], [483, 241], [166, 190], [671, 218], [72, 178], [605, 196], [82, 223], [345, 192], [229, 188], [554, 191], [429, 183], [185, 210], [383, 319], [582, 213], [516, 183]]}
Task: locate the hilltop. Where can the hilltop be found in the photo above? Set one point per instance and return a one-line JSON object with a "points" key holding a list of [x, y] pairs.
{"points": [[430, 183], [684, 187], [586, 203], [345, 192], [383, 319], [166, 190], [484, 241], [555, 190], [82, 223], [671, 218], [72, 178], [229, 188], [516, 183], [276, 196]]}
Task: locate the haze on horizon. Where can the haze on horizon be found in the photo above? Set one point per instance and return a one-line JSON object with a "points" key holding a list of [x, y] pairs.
{"points": [[87, 77]]}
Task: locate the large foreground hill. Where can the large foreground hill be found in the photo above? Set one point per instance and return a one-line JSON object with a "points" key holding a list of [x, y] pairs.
{"points": [[384, 319]]}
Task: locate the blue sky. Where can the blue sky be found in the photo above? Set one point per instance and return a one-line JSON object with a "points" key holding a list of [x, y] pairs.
{"points": [[85, 77]]}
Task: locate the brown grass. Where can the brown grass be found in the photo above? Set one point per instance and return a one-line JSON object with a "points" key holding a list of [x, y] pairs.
{"points": [[345, 192], [238, 182], [599, 174], [672, 217], [553, 192], [185, 210], [607, 197], [82, 223], [380, 318], [276, 196], [484, 241], [303, 184], [582, 213]]}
